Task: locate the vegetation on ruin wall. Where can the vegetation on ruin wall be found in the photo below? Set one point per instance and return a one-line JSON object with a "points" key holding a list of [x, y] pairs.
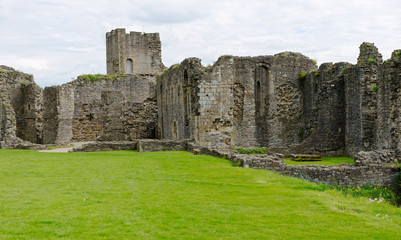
{"points": [[250, 150], [99, 77], [174, 195]]}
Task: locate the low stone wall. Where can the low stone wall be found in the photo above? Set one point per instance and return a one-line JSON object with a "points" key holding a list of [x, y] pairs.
{"points": [[154, 145], [147, 145], [107, 146], [368, 170], [376, 157], [342, 175]]}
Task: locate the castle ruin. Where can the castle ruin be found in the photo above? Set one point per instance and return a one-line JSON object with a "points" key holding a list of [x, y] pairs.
{"points": [[284, 102]]}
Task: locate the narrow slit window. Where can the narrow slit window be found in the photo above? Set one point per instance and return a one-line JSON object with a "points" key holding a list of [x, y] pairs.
{"points": [[129, 66]]}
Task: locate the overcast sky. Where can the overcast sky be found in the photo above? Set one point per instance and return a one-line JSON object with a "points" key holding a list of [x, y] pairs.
{"points": [[58, 40]]}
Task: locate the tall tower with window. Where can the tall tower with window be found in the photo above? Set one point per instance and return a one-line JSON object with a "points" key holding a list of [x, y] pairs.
{"points": [[133, 53]]}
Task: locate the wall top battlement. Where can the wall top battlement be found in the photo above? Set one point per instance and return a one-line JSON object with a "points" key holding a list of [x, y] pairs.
{"points": [[122, 31]]}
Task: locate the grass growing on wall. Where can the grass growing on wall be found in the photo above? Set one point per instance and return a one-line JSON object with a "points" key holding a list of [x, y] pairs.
{"points": [[99, 77], [241, 150], [325, 161], [173, 195]]}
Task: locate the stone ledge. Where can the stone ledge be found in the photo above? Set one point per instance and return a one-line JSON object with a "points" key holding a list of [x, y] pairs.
{"points": [[106, 146]]}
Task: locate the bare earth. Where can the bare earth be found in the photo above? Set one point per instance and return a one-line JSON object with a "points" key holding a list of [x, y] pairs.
{"points": [[65, 149]]}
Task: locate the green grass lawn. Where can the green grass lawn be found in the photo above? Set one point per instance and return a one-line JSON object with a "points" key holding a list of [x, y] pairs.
{"points": [[325, 161], [173, 195]]}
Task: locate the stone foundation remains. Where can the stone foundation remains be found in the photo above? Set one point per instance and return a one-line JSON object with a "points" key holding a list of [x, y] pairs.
{"points": [[364, 172]]}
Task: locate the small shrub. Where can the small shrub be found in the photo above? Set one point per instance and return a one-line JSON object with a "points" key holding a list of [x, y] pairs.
{"points": [[236, 163], [397, 54], [374, 88], [302, 75], [301, 132], [328, 70], [397, 190], [372, 60], [317, 74], [251, 150], [343, 69], [314, 61]]}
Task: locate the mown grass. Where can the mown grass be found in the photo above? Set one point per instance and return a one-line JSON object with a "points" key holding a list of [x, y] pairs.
{"points": [[325, 161], [173, 195]]}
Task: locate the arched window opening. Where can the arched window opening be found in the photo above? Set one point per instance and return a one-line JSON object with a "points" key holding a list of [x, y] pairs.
{"points": [[129, 66]]}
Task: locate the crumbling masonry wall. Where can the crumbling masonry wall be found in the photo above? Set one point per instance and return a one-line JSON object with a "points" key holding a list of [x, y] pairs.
{"points": [[58, 114], [108, 109], [239, 101], [21, 110], [135, 52]]}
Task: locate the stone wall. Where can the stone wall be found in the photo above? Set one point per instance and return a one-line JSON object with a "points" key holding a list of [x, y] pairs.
{"points": [[239, 101], [381, 157], [110, 109], [58, 114], [342, 175], [20, 113], [178, 101], [142, 145], [135, 52], [388, 105], [107, 146], [268, 109], [361, 99]]}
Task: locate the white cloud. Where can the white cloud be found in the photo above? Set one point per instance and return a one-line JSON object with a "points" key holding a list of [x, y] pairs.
{"points": [[58, 40]]}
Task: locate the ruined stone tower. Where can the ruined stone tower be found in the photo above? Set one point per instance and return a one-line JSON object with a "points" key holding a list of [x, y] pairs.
{"points": [[136, 52]]}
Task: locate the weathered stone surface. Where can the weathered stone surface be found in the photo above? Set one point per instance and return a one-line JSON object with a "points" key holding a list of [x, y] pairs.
{"points": [[239, 101], [107, 146], [135, 52], [20, 109], [155, 145], [343, 175]]}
